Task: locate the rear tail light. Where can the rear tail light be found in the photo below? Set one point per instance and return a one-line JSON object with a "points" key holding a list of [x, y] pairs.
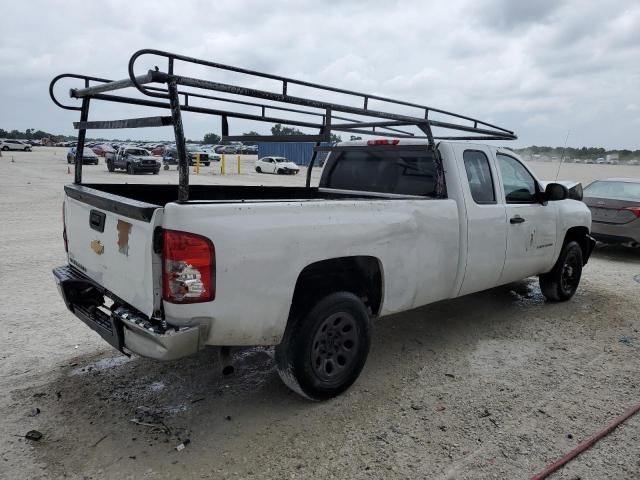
{"points": [[385, 141], [64, 231], [188, 273], [634, 210]]}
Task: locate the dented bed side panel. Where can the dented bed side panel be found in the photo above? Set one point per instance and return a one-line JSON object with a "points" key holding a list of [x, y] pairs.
{"points": [[118, 254], [262, 248]]}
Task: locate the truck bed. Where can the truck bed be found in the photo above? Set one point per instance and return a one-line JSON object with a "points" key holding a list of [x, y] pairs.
{"points": [[140, 200]]}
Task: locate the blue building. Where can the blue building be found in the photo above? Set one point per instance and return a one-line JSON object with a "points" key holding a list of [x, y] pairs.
{"points": [[298, 152]]}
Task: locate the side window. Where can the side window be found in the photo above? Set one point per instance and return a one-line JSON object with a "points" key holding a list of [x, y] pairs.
{"points": [[476, 164], [519, 185]]}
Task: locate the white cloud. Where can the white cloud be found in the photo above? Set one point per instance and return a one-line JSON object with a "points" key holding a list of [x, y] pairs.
{"points": [[535, 67]]}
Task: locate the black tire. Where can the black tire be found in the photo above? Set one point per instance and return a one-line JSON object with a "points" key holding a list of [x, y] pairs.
{"points": [[156, 172], [69, 159], [561, 283], [258, 169], [27, 149], [206, 164], [130, 170], [5, 148], [323, 352], [166, 167], [110, 166], [279, 171]]}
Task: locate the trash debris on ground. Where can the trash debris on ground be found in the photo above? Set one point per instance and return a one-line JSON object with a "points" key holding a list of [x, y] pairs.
{"points": [[34, 435], [181, 446]]}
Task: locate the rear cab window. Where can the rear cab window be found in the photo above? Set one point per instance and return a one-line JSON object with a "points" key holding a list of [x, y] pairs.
{"points": [[402, 172], [476, 165]]}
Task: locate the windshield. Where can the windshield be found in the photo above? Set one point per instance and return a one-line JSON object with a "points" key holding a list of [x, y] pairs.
{"points": [[87, 152], [193, 148], [614, 190], [139, 152], [280, 159]]}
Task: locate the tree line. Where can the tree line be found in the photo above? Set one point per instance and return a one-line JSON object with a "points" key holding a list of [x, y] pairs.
{"points": [[278, 129]]}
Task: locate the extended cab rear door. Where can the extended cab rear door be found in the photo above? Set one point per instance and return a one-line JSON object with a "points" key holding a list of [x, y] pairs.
{"points": [[486, 232]]}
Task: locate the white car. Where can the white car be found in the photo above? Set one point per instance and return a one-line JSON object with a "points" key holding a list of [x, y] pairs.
{"points": [[279, 165], [14, 145]]}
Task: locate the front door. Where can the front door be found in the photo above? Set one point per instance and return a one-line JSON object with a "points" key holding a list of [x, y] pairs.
{"points": [[531, 225]]}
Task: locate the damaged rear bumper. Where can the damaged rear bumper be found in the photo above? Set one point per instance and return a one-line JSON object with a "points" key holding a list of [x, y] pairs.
{"points": [[121, 325]]}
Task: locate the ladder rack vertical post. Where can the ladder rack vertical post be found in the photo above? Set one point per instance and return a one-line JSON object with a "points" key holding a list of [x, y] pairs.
{"points": [[181, 147], [82, 133]]}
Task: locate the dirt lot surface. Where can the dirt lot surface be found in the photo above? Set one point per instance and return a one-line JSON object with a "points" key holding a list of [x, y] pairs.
{"points": [[492, 385]]}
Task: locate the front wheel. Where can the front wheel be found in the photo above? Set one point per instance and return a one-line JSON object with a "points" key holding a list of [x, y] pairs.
{"points": [[323, 352], [5, 148], [279, 171], [130, 169], [110, 166], [561, 283], [155, 172], [258, 169]]}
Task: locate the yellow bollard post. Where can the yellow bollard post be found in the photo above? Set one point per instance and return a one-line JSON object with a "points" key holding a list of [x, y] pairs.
{"points": [[197, 164], [222, 164], [238, 164]]}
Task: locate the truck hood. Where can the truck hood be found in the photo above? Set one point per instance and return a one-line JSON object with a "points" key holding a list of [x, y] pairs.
{"points": [[143, 157]]}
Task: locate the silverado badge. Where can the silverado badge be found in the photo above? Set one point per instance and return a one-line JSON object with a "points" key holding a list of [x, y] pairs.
{"points": [[97, 246]]}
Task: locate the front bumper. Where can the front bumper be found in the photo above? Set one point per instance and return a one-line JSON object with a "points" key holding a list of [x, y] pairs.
{"points": [[141, 167], [121, 325]]}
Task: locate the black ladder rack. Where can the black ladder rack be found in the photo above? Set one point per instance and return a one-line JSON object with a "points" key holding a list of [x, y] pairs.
{"points": [[271, 106]]}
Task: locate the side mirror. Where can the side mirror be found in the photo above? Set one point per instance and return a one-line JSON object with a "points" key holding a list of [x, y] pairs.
{"points": [[556, 191]]}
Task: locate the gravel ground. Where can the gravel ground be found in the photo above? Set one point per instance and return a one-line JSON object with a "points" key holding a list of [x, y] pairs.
{"points": [[492, 385]]}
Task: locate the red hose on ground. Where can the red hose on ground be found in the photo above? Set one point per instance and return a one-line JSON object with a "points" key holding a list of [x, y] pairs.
{"points": [[585, 444]]}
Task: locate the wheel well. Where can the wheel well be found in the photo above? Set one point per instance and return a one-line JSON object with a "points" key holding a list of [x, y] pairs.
{"points": [[578, 234], [360, 275]]}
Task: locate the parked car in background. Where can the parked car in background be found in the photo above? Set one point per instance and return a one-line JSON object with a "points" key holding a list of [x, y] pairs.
{"points": [[133, 160], [170, 156], [159, 150], [14, 145], [615, 209], [278, 165], [88, 156], [102, 150]]}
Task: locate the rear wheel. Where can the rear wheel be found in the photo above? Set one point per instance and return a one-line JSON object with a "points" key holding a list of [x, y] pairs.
{"points": [[258, 169], [561, 283], [110, 166], [324, 351], [5, 148]]}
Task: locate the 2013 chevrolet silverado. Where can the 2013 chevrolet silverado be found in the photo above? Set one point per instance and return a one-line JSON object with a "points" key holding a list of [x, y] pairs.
{"points": [[395, 223]]}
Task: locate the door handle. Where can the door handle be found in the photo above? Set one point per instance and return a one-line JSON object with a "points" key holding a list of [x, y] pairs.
{"points": [[516, 219]]}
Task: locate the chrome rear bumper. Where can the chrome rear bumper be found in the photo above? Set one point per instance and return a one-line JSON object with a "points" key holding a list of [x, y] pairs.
{"points": [[121, 325]]}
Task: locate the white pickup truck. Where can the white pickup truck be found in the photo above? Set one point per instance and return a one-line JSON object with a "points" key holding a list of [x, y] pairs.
{"points": [[396, 223], [307, 269]]}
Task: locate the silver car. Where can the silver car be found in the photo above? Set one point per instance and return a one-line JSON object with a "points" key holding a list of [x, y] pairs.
{"points": [[615, 209]]}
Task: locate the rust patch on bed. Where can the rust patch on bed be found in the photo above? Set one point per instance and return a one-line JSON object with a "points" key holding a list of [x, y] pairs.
{"points": [[124, 229]]}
